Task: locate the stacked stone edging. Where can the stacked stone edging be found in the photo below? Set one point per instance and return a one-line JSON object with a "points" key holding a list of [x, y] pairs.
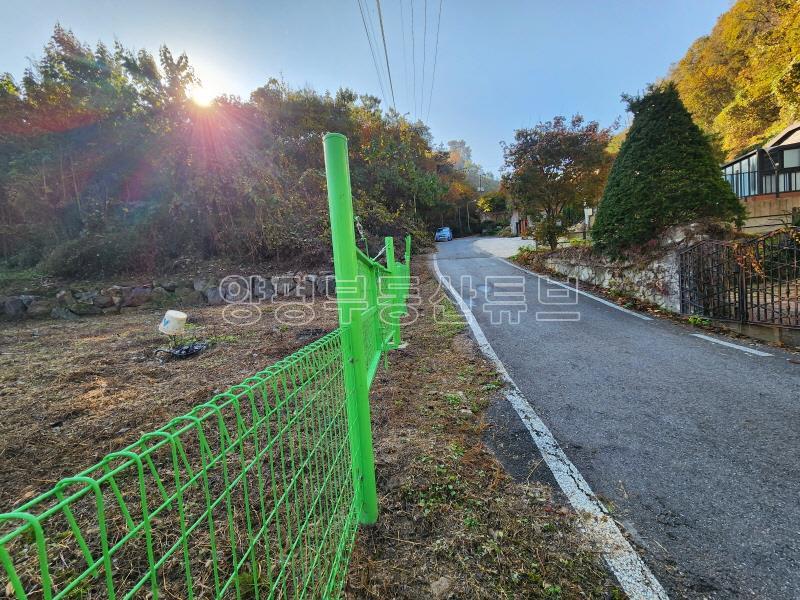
{"points": [[72, 303], [655, 282]]}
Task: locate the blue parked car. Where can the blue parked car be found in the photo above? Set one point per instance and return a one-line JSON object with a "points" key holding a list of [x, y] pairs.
{"points": [[443, 234]]}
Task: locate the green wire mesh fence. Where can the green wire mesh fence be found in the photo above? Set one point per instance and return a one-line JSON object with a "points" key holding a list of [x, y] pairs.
{"points": [[254, 494]]}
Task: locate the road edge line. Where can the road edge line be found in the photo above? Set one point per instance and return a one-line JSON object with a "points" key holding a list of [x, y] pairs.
{"points": [[633, 313], [714, 340], [631, 572]]}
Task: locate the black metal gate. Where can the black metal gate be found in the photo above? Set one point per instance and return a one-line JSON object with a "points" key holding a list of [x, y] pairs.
{"points": [[754, 281]]}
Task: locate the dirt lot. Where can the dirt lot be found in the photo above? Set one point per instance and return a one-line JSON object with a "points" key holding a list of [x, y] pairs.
{"points": [[71, 392], [453, 524]]}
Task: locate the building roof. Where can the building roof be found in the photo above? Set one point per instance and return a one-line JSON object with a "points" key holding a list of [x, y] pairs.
{"points": [[738, 158], [790, 135]]}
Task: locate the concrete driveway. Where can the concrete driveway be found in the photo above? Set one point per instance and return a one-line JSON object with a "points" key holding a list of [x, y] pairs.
{"points": [[503, 247], [693, 445]]}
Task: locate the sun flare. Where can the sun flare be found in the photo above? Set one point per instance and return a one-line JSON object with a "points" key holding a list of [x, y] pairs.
{"points": [[202, 96]]}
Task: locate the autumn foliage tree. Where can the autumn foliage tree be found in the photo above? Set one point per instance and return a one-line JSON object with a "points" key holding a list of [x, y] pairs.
{"points": [[107, 165], [555, 168], [742, 81], [665, 174], [493, 202]]}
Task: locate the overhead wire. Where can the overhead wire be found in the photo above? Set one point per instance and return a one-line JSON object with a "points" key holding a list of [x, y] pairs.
{"points": [[386, 53], [413, 62], [424, 53], [371, 23], [435, 57], [406, 87], [371, 50]]}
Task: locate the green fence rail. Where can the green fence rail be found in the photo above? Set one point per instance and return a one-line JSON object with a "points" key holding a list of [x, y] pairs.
{"points": [[254, 494]]}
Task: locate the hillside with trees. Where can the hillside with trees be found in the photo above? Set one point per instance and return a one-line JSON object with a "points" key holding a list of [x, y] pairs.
{"points": [[106, 165], [742, 82]]}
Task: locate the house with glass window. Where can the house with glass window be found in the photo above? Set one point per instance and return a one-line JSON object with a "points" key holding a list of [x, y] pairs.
{"points": [[767, 180]]}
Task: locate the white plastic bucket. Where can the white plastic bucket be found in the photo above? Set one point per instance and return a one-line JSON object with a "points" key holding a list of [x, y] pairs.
{"points": [[173, 322]]}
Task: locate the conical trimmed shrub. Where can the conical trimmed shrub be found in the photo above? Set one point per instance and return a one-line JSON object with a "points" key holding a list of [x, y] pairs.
{"points": [[665, 175]]}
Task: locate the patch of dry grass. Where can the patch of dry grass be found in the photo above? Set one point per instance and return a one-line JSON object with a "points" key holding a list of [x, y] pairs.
{"points": [[71, 392]]}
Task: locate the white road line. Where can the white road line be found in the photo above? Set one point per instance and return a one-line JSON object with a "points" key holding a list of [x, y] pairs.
{"points": [[630, 570], [581, 292], [730, 345]]}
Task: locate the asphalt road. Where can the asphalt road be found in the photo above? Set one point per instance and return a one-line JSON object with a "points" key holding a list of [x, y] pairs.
{"points": [[694, 446]]}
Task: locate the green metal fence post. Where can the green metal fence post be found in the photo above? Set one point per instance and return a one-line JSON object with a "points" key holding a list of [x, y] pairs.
{"points": [[350, 304], [394, 292], [407, 272], [389, 243]]}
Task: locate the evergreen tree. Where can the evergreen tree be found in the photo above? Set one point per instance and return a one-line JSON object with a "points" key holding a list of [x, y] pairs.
{"points": [[665, 175]]}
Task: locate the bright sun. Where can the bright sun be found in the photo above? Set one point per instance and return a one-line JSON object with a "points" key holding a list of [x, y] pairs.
{"points": [[211, 84], [202, 96]]}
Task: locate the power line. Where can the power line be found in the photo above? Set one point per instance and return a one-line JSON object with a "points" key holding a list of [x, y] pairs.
{"points": [[435, 57], [386, 52], [405, 59], [413, 61], [371, 51], [424, 52], [368, 10]]}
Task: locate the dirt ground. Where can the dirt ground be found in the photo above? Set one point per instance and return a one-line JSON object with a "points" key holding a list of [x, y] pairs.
{"points": [[71, 392], [453, 524]]}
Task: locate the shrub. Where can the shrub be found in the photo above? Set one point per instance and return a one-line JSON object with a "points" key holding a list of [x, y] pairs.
{"points": [[665, 175], [100, 255], [489, 227], [506, 232], [524, 251], [547, 231]]}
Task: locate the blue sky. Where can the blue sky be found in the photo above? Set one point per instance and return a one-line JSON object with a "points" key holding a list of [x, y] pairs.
{"points": [[501, 65]]}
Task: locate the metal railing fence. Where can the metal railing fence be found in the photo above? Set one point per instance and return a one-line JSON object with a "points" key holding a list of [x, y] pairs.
{"points": [[254, 494], [753, 281], [754, 183]]}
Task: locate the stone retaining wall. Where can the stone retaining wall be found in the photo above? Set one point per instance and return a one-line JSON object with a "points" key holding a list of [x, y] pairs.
{"points": [[71, 303], [656, 282], [653, 276]]}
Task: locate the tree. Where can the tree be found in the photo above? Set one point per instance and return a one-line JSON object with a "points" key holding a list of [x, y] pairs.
{"points": [[460, 156], [493, 202], [556, 166], [460, 194], [665, 175], [460, 153], [106, 165], [741, 82]]}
